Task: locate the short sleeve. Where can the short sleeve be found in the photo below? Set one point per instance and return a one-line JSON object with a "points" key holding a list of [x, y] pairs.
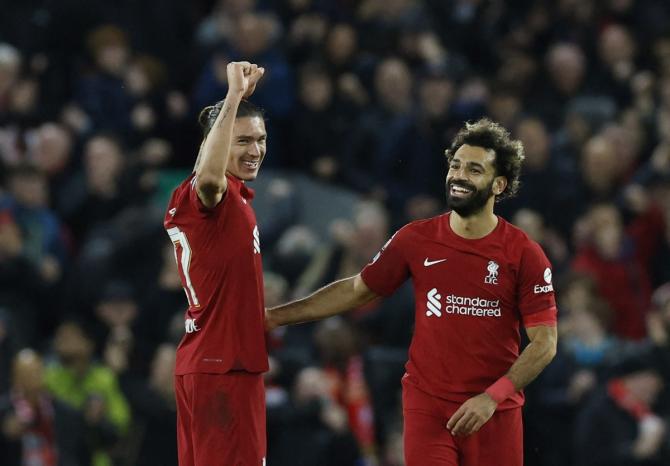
{"points": [[537, 302], [388, 269], [195, 202]]}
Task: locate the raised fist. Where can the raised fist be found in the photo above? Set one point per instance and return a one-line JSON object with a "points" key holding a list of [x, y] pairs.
{"points": [[243, 77]]}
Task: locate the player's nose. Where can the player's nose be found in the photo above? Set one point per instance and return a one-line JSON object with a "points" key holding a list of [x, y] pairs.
{"points": [[254, 149]]}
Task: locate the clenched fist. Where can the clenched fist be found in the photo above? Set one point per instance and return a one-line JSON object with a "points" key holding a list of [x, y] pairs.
{"points": [[243, 77]]}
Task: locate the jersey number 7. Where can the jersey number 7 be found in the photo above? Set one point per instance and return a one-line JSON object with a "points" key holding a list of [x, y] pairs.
{"points": [[182, 254]]}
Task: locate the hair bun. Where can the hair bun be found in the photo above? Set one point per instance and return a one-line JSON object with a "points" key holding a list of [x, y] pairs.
{"points": [[205, 115]]}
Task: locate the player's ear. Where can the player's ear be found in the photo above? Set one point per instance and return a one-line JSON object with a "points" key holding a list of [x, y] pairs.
{"points": [[499, 185]]}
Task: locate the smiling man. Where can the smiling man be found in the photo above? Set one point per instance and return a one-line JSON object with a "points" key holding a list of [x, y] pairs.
{"points": [[475, 280], [221, 358]]}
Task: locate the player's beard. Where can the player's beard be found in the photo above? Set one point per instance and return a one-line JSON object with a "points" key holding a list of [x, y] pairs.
{"points": [[472, 204]]}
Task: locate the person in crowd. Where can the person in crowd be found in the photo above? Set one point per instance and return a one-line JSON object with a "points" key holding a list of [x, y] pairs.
{"points": [[36, 428]]}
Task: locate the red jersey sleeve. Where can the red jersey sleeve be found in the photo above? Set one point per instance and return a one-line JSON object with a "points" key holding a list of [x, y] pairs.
{"points": [[195, 202], [389, 268], [537, 302]]}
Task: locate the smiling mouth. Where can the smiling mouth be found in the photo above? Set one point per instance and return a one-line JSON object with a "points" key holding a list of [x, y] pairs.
{"points": [[459, 191], [251, 165]]}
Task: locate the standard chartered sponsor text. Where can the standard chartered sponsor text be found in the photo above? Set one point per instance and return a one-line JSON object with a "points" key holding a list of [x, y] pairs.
{"points": [[478, 307]]}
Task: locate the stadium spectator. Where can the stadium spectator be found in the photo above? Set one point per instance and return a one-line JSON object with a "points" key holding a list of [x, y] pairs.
{"points": [[621, 424], [618, 259], [89, 387], [37, 429]]}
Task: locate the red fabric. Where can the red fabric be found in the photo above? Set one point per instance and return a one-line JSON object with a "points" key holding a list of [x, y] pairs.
{"points": [[428, 442], [39, 439], [471, 297], [502, 389], [618, 391], [220, 419], [547, 317], [350, 390], [218, 250]]}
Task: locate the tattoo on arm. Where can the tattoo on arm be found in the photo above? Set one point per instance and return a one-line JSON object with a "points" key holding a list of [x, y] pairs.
{"points": [[225, 111]]}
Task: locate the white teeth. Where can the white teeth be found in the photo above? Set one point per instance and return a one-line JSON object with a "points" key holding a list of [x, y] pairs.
{"points": [[251, 165], [459, 189]]}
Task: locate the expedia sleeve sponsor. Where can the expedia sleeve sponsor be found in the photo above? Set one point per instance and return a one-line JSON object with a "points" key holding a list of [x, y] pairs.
{"points": [[543, 288]]}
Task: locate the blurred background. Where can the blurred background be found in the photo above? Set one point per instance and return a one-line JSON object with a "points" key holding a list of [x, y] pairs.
{"points": [[98, 111]]}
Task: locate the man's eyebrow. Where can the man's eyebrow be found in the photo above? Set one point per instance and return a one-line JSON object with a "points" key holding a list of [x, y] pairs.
{"points": [[469, 164]]}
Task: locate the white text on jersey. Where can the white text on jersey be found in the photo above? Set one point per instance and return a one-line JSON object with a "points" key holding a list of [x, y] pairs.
{"points": [[191, 326]]}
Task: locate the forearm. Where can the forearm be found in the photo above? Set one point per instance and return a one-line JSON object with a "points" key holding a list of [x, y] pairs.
{"points": [[215, 153], [532, 360], [333, 299]]}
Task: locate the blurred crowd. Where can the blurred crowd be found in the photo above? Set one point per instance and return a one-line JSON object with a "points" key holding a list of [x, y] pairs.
{"points": [[98, 111]]}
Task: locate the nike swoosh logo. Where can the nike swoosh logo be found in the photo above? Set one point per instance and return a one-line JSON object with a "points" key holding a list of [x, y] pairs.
{"points": [[428, 263]]}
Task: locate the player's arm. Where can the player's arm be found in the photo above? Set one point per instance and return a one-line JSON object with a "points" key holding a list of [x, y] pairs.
{"points": [[210, 169], [332, 299], [474, 413], [534, 358]]}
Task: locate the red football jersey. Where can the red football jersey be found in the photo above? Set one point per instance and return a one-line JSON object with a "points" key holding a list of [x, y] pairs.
{"points": [[471, 296], [219, 258]]}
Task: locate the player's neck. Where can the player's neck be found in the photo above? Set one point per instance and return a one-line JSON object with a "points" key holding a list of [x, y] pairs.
{"points": [[475, 226]]}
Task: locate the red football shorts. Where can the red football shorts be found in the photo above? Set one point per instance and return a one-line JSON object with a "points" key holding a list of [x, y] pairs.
{"points": [[428, 442], [220, 419]]}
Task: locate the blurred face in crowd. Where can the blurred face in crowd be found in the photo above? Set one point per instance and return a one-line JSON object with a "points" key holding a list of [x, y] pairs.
{"points": [[28, 373], [436, 94], [535, 138], [606, 227], [119, 312], [585, 326], [530, 222], [336, 341], [310, 385], [248, 148], [646, 385], [566, 66], [616, 45], [11, 241], [393, 83], [53, 148], [275, 288], [253, 34], [600, 167], [626, 142], [504, 107], [341, 43], [470, 180], [103, 162], [30, 190], [112, 58], [10, 66], [370, 230], [316, 91], [577, 295], [73, 346]]}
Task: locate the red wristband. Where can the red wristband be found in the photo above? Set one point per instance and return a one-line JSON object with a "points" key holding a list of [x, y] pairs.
{"points": [[501, 389]]}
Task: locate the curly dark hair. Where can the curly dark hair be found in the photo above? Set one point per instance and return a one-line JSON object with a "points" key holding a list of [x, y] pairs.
{"points": [[491, 135], [208, 114]]}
